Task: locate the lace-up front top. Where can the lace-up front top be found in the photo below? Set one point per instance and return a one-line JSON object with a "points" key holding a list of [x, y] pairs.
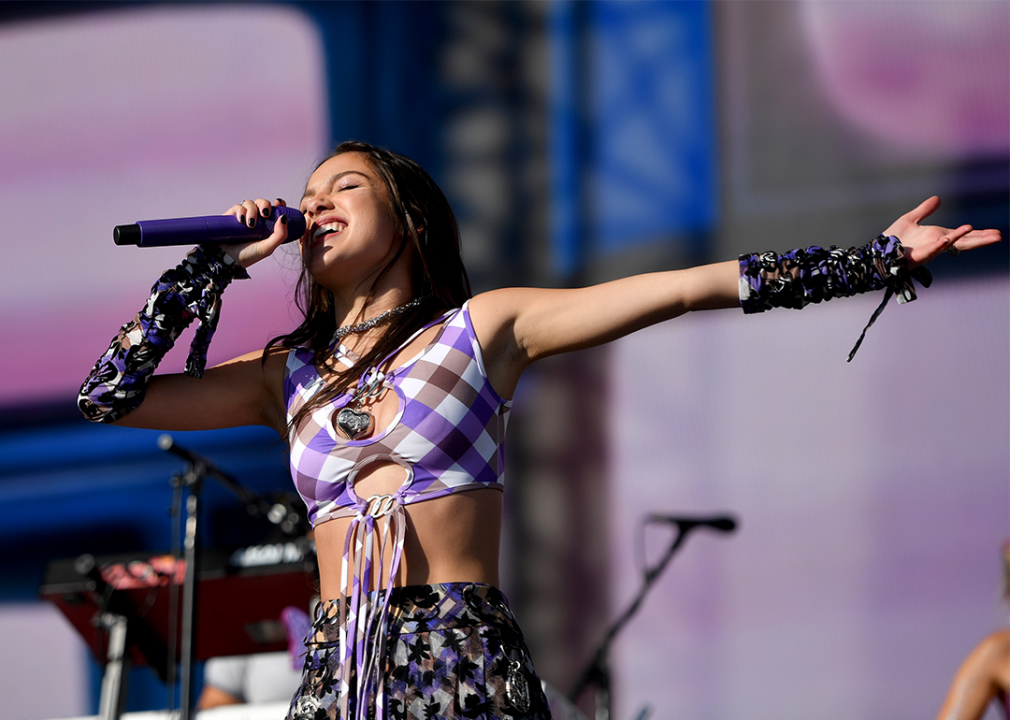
{"points": [[447, 435]]}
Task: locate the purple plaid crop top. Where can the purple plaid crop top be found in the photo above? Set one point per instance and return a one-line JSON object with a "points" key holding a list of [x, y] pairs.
{"points": [[448, 434]]}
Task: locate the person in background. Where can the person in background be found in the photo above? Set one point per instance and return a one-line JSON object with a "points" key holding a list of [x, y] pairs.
{"points": [[249, 679], [985, 673]]}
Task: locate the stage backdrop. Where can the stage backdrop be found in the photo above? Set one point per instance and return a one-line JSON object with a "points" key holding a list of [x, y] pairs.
{"points": [[151, 113], [139, 112], [872, 500]]}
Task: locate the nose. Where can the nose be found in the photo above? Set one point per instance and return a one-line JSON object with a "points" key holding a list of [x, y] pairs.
{"points": [[315, 205]]}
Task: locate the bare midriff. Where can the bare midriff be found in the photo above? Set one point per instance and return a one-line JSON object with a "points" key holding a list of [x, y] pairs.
{"points": [[454, 538]]}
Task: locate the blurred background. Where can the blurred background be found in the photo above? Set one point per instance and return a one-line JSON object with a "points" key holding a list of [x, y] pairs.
{"points": [[578, 142]]}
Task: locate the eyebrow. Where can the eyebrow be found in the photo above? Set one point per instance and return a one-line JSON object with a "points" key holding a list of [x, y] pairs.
{"points": [[328, 182]]}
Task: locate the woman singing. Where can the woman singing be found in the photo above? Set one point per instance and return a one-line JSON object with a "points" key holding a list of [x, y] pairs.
{"points": [[394, 393]]}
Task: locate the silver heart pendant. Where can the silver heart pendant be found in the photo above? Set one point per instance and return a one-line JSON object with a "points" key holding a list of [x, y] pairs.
{"points": [[353, 423]]}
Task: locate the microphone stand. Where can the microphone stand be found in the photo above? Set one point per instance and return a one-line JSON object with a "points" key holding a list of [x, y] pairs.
{"points": [[193, 477], [197, 470], [597, 672]]}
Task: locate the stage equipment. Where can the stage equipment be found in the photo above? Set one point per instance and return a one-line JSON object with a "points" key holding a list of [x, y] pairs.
{"points": [[126, 607], [597, 672], [242, 594]]}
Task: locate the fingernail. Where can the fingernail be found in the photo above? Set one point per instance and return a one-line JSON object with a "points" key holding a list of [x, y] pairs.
{"points": [[265, 212], [241, 219], [280, 201], [284, 219], [252, 222]]}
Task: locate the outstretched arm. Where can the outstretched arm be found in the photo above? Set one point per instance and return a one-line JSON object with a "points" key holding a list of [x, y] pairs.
{"points": [[518, 326]]}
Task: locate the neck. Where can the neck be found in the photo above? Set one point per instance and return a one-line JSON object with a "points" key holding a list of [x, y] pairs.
{"points": [[361, 308], [371, 296], [363, 328]]}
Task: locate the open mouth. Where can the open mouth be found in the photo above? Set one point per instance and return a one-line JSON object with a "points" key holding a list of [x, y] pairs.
{"points": [[321, 232]]}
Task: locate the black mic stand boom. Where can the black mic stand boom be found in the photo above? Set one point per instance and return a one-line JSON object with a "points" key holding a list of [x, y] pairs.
{"points": [[597, 671]]}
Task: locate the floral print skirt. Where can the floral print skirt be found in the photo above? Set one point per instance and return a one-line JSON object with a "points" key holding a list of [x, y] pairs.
{"points": [[453, 650]]}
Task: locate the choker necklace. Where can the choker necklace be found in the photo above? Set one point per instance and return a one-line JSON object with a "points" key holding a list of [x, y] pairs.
{"points": [[372, 322]]}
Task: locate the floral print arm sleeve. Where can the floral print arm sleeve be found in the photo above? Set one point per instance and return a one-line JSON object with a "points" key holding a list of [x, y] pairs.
{"points": [[191, 291], [812, 275]]}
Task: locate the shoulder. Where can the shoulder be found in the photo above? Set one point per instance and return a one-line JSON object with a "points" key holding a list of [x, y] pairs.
{"points": [[991, 659], [493, 313], [997, 642], [493, 317], [292, 368], [289, 357], [509, 314], [1000, 644], [503, 301]]}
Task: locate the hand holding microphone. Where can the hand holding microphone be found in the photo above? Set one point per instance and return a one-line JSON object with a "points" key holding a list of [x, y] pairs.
{"points": [[246, 222]]}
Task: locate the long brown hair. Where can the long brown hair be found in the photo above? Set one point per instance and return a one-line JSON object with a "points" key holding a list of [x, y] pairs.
{"points": [[426, 221]]}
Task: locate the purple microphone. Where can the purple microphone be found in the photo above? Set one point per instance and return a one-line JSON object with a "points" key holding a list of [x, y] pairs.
{"points": [[209, 229]]}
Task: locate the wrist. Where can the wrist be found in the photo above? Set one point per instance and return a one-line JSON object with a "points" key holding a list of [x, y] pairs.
{"points": [[814, 274], [218, 265]]}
